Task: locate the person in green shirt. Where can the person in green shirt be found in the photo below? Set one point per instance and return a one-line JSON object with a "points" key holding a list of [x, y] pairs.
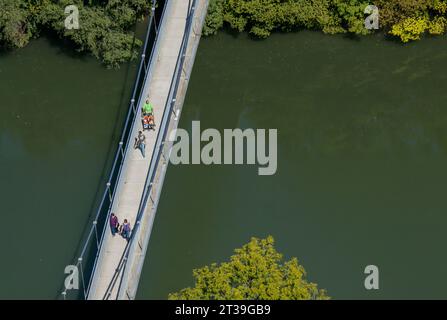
{"points": [[147, 108]]}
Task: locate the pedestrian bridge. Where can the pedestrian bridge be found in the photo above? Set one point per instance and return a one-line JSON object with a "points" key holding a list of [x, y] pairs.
{"points": [[108, 266]]}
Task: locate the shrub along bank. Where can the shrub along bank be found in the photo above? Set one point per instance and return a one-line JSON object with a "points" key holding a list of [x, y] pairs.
{"points": [[405, 19], [105, 25]]}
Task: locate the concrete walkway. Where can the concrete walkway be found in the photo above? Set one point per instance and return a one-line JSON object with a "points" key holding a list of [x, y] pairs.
{"points": [[133, 176]]}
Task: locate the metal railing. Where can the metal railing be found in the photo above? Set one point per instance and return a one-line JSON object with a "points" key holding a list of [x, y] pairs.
{"points": [[92, 242], [162, 150]]}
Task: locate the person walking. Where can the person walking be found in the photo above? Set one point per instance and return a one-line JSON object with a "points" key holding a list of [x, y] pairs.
{"points": [[113, 224], [125, 231], [140, 142]]}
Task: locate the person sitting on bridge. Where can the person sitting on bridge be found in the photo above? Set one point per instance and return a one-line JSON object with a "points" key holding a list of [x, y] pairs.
{"points": [[148, 109], [125, 230], [149, 122], [114, 224]]}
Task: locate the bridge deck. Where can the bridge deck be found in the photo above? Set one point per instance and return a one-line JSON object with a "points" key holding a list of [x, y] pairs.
{"points": [[133, 176]]}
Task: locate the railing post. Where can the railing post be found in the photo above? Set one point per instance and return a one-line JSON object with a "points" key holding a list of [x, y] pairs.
{"points": [[165, 160], [153, 13], [150, 192], [110, 192], [96, 233], [139, 242], [132, 102], [122, 150], [184, 64], [174, 110]]}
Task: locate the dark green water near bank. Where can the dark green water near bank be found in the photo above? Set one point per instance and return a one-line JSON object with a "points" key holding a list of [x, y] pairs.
{"points": [[60, 121], [362, 134]]}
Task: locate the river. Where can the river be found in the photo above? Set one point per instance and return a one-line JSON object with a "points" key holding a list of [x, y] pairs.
{"points": [[362, 134], [362, 153], [60, 121]]}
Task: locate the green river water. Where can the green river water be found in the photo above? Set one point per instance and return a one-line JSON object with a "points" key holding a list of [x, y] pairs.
{"points": [[362, 154], [60, 120], [362, 148]]}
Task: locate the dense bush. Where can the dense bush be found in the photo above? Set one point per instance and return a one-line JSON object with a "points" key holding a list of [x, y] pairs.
{"points": [[104, 25], [406, 19]]}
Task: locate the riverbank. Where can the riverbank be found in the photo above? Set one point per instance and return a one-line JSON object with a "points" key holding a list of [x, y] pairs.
{"points": [[403, 19]]}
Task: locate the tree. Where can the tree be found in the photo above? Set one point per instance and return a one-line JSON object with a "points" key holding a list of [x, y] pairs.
{"points": [[255, 272], [15, 29], [104, 25]]}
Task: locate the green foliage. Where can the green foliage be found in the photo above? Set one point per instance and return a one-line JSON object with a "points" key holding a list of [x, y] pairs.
{"points": [[410, 28], [261, 17], [352, 13], [15, 29], [214, 20], [439, 6], [410, 19], [256, 271], [395, 11], [104, 25], [406, 19], [437, 26]]}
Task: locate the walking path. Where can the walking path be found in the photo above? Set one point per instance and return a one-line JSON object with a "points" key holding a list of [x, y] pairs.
{"points": [[135, 170]]}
